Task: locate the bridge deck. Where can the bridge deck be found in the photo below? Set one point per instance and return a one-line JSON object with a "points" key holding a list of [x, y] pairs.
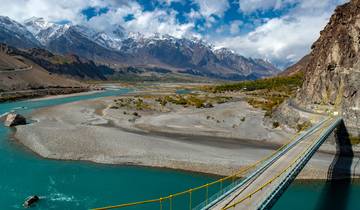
{"points": [[260, 186]]}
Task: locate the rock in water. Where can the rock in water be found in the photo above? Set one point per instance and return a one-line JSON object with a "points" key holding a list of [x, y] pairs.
{"points": [[3, 117], [14, 119]]}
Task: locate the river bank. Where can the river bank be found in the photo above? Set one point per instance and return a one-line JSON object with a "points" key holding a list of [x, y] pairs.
{"points": [[39, 93], [187, 138]]}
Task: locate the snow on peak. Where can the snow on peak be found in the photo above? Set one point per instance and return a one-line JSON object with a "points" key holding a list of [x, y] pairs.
{"points": [[36, 24], [223, 50], [44, 30], [12, 25]]}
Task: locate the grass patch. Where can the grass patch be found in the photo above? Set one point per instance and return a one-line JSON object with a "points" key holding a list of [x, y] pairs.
{"points": [[354, 140], [131, 103], [303, 126], [266, 94], [283, 83], [198, 101]]}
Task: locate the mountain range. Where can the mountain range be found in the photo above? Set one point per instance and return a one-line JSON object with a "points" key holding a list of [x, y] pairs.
{"points": [[121, 50]]}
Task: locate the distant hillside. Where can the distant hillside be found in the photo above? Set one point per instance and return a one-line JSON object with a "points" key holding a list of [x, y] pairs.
{"points": [[300, 66], [19, 73], [66, 65]]}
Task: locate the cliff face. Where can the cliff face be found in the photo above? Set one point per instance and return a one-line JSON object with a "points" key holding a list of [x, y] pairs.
{"points": [[332, 74]]}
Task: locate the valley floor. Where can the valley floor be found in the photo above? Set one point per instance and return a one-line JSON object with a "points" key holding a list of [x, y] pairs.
{"points": [[218, 140]]}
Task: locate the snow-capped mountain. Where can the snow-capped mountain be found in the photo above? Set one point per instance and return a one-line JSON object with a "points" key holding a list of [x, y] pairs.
{"points": [[257, 67], [15, 34], [35, 25], [112, 38], [45, 32], [117, 46]]}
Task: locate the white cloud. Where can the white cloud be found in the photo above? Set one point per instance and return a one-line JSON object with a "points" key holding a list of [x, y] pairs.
{"points": [[115, 16], [149, 22], [248, 6], [168, 2], [213, 7], [145, 22], [285, 39], [210, 8], [253, 5], [158, 21], [281, 40], [193, 15], [235, 26], [51, 10]]}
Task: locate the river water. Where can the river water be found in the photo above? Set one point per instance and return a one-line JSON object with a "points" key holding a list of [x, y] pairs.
{"points": [[84, 185]]}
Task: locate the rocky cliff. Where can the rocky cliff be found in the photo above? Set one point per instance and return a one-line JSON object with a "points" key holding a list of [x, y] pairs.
{"points": [[332, 73]]}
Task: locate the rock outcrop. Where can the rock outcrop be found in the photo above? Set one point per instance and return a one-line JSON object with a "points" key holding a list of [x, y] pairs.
{"points": [[332, 73], [14, 119]]}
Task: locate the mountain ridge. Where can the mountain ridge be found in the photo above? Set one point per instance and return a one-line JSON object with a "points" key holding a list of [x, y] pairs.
{"points": [[18, 73], [120, 48]]}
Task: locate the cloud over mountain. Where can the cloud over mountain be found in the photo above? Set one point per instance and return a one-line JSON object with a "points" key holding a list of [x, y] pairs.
{"points": [[279, 30]]}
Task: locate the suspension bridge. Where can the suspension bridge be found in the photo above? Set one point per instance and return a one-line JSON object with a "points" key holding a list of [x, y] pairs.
{"points": [[257, 186]]}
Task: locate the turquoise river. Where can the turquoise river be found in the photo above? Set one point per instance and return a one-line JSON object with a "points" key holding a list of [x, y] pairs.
{"points": [[84, 185]]}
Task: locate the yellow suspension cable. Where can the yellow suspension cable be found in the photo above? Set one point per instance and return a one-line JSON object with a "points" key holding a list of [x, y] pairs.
{"points": [[233, 176], [275, 177]]}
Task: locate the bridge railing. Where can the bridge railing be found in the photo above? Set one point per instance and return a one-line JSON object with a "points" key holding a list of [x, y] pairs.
{"points": [[174, 201], [289, 172], [268, 162], [213, 191]]}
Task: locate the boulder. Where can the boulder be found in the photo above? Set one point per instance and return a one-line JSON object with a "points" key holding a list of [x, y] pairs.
{"points": [[3, 117], [14, 119]]}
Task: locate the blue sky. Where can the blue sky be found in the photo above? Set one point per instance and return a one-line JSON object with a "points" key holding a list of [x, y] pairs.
{"points": [[281, 31]]}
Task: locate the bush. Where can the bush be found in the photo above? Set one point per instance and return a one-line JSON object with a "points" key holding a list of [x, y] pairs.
{"points": [[303, 126], [275, 83], [354, 140], [275, 124]]}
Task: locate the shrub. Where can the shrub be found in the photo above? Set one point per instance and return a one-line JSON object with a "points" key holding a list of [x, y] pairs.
{"points": [[275, 124], [354, 140], [274, 83], [303, 126]]}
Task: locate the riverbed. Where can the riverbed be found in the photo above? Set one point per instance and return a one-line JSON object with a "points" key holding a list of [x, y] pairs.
{"points": [[84, 185]]}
